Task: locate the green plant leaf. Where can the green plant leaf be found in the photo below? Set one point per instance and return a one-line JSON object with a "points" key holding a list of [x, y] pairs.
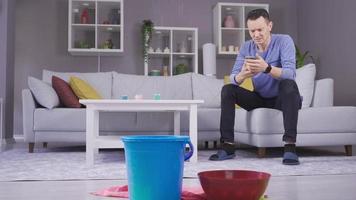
{"points": [[146, 30]]}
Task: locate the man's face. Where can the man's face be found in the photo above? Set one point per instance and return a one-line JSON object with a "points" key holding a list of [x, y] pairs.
{"points": [[260, 30]]}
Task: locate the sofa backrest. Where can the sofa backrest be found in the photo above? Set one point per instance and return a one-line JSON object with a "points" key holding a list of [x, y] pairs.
{"points": [[208, 89], [323, 93], [169, 87], [100, 81]]}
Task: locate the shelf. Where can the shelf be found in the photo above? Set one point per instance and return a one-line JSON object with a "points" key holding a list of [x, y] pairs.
{"points": [[230, 27], [109, 25], [158, 55], [95, 27], [94, 52], [182, 45], [183, 55]]}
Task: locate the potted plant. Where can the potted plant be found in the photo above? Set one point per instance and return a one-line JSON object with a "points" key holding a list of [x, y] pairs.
{"points": [[180, 69], [300, 57], [147, 29]]}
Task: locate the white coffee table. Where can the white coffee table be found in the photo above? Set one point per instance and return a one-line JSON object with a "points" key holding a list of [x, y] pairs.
{"points": [[94, 141]]}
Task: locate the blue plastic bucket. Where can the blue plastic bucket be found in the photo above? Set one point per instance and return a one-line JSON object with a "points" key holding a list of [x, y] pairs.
{"points": [[155, 166]]}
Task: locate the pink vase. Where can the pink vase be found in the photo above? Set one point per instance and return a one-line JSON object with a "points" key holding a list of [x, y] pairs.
{"points": [[229, 22]]}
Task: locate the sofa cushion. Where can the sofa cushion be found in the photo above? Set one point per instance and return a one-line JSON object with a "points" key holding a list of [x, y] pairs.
{"points": [[175, 87], [338, 119], [44, 94], [65, 93], [305, 80], [82, 89], [208, 89], [100, 81]]}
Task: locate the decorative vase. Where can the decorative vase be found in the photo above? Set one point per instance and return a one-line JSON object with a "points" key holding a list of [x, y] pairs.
{"points": [[229, 22], [84, 18]]}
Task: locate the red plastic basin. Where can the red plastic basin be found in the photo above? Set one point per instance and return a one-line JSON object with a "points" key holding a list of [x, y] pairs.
{"points": [[233, 184]]}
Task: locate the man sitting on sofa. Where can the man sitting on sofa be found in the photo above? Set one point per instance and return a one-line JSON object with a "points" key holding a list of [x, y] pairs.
{"points": [[269, 59]]}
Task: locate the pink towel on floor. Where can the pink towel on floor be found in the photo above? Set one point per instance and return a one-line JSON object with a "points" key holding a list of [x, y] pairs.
{"points": [[188, 193]]}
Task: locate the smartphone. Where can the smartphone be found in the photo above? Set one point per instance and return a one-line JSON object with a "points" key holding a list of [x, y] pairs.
{"points": [[251, 57]]}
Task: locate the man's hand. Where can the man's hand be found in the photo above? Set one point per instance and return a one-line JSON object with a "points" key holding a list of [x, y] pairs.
{"points": [[244, 73], [256, 65]]}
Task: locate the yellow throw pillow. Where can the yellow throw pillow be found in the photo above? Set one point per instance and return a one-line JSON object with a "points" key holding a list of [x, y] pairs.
{"points": [[247, 84], [82, 89]]}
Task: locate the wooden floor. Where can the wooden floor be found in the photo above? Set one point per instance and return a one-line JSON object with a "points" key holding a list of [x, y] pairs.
{"points": [[326, 187]]}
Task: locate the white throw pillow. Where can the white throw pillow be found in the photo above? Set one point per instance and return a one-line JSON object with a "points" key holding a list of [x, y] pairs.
{"points": [[44, 94], [305, 80]]}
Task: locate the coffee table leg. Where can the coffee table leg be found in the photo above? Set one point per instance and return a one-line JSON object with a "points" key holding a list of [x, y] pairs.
{"points": [[176, 122], [92, 130], [193, 130]]}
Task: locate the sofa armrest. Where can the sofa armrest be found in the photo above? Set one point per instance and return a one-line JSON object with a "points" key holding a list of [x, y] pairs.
{"points": [[323, 93], [28, 108]]}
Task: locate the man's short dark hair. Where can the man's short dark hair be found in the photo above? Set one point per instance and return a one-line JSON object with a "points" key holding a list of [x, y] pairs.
{"points": [[257, 13]]}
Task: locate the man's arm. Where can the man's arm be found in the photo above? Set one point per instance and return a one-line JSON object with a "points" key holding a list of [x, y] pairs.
{"points": [[240, 72], [287, 60]]}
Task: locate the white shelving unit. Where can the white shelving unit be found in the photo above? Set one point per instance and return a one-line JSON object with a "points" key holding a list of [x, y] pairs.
{"points": [[172, 46], [228, 39], [95, 27]]}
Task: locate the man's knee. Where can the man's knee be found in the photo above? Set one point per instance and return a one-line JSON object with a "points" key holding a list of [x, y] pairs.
{"points": [[227, 90], [288, 86]]}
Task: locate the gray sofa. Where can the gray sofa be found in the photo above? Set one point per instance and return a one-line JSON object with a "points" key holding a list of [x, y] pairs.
{"points": [[321, 124]]}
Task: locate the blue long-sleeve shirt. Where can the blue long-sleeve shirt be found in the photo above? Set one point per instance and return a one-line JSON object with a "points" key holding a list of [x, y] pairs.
{"points": [[280, 53]]}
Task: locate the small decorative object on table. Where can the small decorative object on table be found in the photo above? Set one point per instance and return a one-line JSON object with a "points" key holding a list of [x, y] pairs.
{"points": [[138, 96], [157, 96], [124, 97]]}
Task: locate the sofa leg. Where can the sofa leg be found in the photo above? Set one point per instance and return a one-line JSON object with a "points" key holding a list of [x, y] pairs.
{"points": [[31, 146], [348, 149], [45, 145], [261, 152]]}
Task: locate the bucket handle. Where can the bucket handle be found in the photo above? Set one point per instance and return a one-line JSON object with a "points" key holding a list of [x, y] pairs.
{"points": [[190, 152]]}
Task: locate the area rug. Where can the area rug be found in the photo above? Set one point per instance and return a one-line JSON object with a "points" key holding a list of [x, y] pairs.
{"points": [[69, 164]]}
